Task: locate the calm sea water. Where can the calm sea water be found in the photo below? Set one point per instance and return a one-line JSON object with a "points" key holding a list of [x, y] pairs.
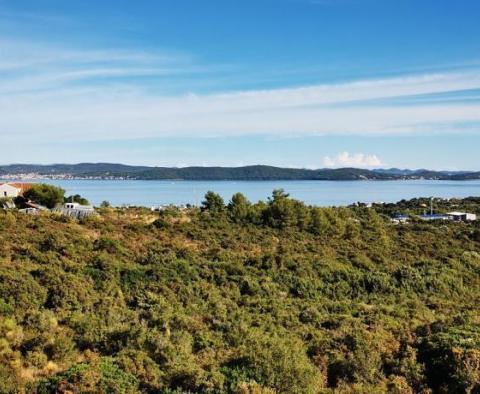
{"points": [[322, 193]]}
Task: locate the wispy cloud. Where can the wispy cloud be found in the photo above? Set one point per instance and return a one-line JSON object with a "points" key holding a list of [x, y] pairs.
{"points": [[49, 93], [358, 160], [33, 67]]}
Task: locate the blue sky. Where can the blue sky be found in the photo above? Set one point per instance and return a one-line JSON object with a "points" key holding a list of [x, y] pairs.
{"points": [[303, 83]]}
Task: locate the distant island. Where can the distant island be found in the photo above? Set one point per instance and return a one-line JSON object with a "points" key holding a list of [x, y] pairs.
{"points": [[246, 173]]}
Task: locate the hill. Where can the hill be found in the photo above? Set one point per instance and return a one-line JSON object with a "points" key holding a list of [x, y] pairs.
{"points": [[273, 297], [252, 173]]}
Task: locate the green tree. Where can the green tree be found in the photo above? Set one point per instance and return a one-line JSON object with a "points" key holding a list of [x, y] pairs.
{"points": [[280, 212], [239, 208], [47, 195], [213, 202], [302, 215], [319, 223]]}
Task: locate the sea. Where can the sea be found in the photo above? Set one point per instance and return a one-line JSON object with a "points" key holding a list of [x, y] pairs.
{"points": [[320, 193]]}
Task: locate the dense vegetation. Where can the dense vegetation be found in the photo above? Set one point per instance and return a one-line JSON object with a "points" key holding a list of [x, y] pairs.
{"points": [[273, 297], [48, 196], [256, 172], [43, 194]]}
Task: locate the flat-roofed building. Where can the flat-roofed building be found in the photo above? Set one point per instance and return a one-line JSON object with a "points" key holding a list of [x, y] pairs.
{"points": [[463, 216], [75, 209]]}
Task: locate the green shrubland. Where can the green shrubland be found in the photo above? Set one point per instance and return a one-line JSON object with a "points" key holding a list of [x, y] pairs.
{"points": [[239, 297]]}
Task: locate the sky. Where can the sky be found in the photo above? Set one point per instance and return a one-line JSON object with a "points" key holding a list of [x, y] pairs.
{"points": [[294, 83]]}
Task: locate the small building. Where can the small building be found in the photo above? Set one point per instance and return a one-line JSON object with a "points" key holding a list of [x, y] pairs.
{"points": [[13, 190], [463, 216], [7, 190], [76, 210]]}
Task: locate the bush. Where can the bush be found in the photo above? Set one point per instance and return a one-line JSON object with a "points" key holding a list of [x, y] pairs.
{"points": [[452, 359], [102, 376], [46, 195], [273, 362]]}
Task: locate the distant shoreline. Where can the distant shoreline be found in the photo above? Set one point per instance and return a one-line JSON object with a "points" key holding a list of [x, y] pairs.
{"points": [[110, 171]]}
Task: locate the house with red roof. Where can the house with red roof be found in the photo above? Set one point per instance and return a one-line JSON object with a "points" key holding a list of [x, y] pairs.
{"points": [[12, 190]]}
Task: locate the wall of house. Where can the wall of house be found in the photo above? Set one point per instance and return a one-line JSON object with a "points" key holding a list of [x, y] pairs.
{"points": [[8, 191]]}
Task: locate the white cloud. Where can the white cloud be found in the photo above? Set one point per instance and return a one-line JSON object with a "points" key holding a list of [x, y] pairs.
{"points": [[358, 160], [107, 95]]}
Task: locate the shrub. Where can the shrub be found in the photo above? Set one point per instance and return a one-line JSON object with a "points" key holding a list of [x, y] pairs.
{"points": [[102, 376], [273, 362], [47, 195]]}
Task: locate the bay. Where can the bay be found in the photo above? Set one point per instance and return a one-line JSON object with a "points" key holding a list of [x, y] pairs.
{"points": [[321, 193]]}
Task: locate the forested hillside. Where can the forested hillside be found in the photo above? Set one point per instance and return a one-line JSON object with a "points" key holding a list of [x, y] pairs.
{"points": [[250, 173], [272, 297]]}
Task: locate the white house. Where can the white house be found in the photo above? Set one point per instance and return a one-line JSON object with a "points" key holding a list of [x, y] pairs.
{"points": [[76, 210], [463, 216], [12, 190], [9, 191]]}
